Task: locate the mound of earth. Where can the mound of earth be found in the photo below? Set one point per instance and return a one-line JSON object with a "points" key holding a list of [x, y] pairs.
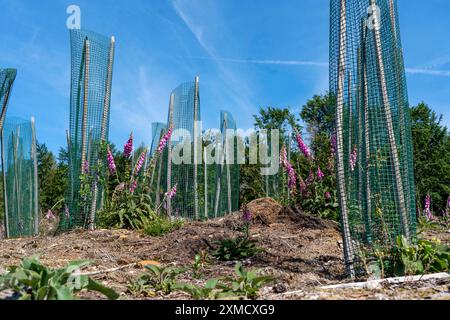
{"points": [[300, 251]]}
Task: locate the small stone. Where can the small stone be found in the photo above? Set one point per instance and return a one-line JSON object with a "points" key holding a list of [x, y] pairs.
{"points": [[280, 288]]}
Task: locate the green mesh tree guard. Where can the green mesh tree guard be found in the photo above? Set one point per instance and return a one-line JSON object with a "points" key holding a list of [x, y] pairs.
{"points": [[184, 114], [276, 186], [19, 165], [226, 186], [203, 190], [374, 144], [7, 77], [91, 78], [158, 129]]}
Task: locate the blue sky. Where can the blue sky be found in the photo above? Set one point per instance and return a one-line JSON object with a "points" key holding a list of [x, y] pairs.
{"points": [[248, 54]]}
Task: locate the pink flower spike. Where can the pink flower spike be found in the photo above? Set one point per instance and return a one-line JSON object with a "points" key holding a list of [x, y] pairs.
{"points": [[303, 147], [111, 162], [427, 212], [283, 157], [165, 139], [353, 159], [320, 174], [140, 162], [303, 186], [50, 215], [128, 147], [292, 176], [447, 210], [86, 167], [333, 141], [133, 186], [172, 193], [310, 179]]}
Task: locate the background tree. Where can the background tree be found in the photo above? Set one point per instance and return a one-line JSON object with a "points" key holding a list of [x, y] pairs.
{"points": [[52, 176], [318, 113], [283, 119], [431, 142]]}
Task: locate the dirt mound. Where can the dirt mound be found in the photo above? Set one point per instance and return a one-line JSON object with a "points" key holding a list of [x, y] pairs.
{"points": [[265, 210], [308, 221], [299, 250]]}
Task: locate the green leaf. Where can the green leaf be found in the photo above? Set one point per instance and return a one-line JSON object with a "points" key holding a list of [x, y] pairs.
{"points": [[109, 293], [76, 265], [211, 284], [64, 293]]}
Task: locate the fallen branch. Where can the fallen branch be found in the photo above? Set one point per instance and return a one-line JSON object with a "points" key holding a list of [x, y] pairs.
{"points": [[376, 283], [89, 274]]}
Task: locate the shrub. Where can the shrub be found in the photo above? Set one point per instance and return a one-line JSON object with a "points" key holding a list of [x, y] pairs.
{"points": [[160, 225], [405, 259]]}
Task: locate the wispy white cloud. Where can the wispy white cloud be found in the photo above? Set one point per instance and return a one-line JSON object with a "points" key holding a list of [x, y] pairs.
{"points": [[430, 72], [268, 62], [423, 71], [237, 88]]}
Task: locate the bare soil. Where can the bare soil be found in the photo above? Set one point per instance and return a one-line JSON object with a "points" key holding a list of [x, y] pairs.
{"points": [[302, 253]]}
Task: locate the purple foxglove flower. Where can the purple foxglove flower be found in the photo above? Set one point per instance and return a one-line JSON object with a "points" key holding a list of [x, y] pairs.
{"points": [[283, 157], [310, 179], [140, 163], [128, 147], [303, 186], [303, 147], [50, 215], [320, 174], [86, 167], [172, 193], [111, 162], [447, 209], [333, 141], [246, 215], [292, 176], [353, 158], [164, 140], [120, 187], [133, 186], [330, 165], [427, 211], [327, 195], [66, 212]]}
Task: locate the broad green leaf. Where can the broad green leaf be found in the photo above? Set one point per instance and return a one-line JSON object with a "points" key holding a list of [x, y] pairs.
{"points": [[109, 293]]}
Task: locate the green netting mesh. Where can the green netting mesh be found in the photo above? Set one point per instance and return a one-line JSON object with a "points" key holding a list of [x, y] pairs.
{"points": [[184, 112], [20, 178], [203, 190], [276, 186], [157, 132], [91, 78], [226, 184], [374, 149], [7, 77]]}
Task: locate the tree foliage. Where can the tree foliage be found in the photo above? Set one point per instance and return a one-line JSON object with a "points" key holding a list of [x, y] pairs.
{"points": [[52, 177], [431, 142]]}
